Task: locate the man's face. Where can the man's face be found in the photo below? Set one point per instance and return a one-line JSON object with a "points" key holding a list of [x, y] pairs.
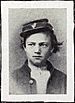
{"points": [[37, 48]]}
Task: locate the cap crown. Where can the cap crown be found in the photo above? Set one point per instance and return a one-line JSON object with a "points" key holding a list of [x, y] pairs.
{"points": [[35, 27]]}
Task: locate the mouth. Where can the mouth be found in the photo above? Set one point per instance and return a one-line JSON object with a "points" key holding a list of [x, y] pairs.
{"points": [[37, 56]]}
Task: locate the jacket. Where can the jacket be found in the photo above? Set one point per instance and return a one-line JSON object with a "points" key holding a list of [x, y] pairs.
{"points": [[21, 82]]}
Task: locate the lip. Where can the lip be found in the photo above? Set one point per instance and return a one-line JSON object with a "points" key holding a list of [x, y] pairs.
{"points": [[37, 56]]}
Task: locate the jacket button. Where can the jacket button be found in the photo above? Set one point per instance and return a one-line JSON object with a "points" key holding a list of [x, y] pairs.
{"points": [[31, 82]]}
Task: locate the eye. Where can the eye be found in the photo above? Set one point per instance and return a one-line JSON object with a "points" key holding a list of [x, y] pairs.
{"points": [[31, 44], [43, 44]]}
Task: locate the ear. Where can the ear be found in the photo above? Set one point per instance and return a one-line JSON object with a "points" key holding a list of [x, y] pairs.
{"points": [[52, 50], [24, 48]]}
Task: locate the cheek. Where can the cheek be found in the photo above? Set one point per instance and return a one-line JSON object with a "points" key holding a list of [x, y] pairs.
{"points": [[46, 51], [28, 51]]}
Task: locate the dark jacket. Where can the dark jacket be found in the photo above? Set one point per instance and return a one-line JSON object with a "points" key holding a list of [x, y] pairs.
{"points": [[22, 83]]}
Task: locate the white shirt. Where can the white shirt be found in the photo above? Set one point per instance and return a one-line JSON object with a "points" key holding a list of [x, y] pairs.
{"points": [[41, 75]]}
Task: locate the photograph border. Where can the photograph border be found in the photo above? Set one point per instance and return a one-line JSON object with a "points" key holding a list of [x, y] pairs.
{"points": [[69, 97]]}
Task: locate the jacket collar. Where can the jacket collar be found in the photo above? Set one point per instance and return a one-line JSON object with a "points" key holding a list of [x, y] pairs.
{"points": [[27, 69]]}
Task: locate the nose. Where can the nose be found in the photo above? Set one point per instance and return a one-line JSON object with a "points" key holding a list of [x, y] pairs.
{"points": [[37, 49]]}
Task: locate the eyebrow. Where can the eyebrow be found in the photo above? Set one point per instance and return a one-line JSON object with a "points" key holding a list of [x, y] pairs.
{"points": [[44, 42], [31, 42], [35, 42]]}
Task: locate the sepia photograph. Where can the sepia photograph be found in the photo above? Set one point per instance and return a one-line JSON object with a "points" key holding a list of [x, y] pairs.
{"points": [[37, 51]]}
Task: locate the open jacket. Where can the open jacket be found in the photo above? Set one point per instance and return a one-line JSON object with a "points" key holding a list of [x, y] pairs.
{"points": [[21, 82]]}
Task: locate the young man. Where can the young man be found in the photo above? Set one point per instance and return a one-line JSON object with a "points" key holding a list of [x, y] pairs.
{"points": [[37, 75]]}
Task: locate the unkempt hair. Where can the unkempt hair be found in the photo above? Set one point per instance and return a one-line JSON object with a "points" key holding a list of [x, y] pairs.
{"points": [[54, 42]]}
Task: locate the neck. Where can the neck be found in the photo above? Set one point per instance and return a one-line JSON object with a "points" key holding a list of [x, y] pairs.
{"points": [[32, 65]]}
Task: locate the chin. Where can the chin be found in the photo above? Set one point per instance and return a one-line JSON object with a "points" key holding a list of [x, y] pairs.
{"points": [[37, 62]]}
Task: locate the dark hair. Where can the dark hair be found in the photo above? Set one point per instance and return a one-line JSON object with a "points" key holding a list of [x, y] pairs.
{"points": [[54, 43]]}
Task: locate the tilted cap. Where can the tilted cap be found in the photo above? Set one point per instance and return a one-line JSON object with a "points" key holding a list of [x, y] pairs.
{"points": [[40, 25]]}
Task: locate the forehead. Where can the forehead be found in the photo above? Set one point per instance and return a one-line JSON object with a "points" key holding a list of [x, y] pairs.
{"points": [[39, 37]]}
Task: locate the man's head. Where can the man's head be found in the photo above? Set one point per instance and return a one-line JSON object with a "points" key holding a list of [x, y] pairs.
{"points": [[39, 41]]}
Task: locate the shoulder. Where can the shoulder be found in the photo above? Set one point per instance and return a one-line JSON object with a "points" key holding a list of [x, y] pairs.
{"points": [[20, 75], [58, 73], [20, 72], [54, 71], [16, 80], [59, 78]]}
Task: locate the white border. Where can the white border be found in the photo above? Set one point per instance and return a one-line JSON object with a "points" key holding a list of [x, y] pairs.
{"points": [[69, 97]]}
